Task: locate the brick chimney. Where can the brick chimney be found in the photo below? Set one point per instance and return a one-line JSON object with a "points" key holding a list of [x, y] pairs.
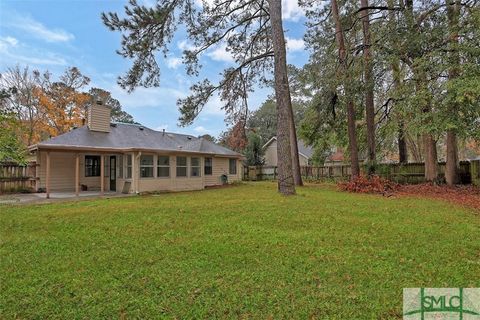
{"points": [[99, 117]]}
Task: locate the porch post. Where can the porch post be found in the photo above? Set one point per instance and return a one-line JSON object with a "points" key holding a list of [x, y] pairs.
{"points": [[134, 175], [77, 174], [102, 174], [47, 180]]}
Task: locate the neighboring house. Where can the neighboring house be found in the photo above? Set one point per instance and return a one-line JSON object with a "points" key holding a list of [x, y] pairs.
{"points": [[305, 153], [336, 158], [131, 158]]}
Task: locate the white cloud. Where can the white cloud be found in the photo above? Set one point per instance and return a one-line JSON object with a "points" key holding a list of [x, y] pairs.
{"points": [[146, 97], [185, 45], [162, 127], [295, 44], [13, 51], [220, 53], [201, 130], [173, 62], [214, 106], [40, 31], [147, 3], [52, 60], [8, 41], [291, 10]]}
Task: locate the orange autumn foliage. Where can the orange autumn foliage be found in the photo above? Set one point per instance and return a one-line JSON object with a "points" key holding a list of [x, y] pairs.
{"points": [[61, 109]]}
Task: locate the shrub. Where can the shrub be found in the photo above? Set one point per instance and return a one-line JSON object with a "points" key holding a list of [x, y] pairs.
{"points": [[369, 184]]}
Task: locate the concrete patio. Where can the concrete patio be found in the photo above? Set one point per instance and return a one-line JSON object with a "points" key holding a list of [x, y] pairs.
{"points": [[24, 198]]}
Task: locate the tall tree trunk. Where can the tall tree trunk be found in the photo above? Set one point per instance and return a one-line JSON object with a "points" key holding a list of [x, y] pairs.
{"points": [[395, 65], [352, 135], [429, 143], [452, 166], [297, 175], [286, 184], [402, 144], [431, 161], [415, 146], [369, 86]]}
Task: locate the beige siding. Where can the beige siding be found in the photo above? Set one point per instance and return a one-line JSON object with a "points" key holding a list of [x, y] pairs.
{"points": [[220, 167], [271, 154], [62, 170], [99, 118], [173, 183], [63, 174], [303, 160]]}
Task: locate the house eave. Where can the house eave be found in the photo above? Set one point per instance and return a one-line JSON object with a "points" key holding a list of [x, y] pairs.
{"points": [[68, 148]]}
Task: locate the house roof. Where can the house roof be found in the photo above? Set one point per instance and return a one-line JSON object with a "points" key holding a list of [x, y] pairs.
{"points": [[303, 149], [132, 137], [338, 155]]}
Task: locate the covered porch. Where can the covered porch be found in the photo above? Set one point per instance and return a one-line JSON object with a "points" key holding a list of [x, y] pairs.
{"points": [[66, 174]]}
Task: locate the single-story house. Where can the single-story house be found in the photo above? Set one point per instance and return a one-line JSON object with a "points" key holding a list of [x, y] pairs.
{"points": [[335, 158], [305, 153], [130, 158]]}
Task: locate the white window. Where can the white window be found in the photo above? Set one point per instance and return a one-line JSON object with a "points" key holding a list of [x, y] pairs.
{"points": [[146, 166], [195, 167], [128, 172], [181, 166], [163, 167]]}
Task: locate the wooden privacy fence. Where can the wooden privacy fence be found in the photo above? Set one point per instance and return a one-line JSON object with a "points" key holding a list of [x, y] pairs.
{"points": [[17, 178], [401, 173]]}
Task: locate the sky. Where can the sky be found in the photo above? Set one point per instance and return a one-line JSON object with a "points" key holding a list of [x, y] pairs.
{"points": [[55, 35]]}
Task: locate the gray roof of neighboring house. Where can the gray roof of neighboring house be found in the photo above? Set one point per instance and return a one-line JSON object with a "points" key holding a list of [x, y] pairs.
{"points": [[124, 136], [302, 148], [306, 150]]}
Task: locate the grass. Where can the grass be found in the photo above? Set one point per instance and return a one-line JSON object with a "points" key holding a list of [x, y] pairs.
{"points": [[240, 252]]}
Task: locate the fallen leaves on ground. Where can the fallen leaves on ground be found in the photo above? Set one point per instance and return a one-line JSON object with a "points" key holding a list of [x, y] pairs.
{"points": [[464, 195]]}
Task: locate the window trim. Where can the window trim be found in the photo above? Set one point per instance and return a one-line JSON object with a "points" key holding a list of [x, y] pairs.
{"points": [[163, 166], [146, 166], [230, 166], [120, 167], [199, 166], [205, 166], [185, 166], [93, 165], [128, 166]]}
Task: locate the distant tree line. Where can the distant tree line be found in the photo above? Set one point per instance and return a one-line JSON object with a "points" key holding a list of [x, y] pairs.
{"points": [[34, 107], [400, 74], [389, 78]]}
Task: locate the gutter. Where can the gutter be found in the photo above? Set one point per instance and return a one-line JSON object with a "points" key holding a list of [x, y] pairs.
{"points": [[103, 149]]}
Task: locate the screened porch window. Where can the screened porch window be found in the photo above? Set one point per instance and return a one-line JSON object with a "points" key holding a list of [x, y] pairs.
{"points": [[232, 164], [181, 166], [208, 166], [120, 166], [146, 166], [92, 166], [195, 167], [163, 167], [128, 173]]}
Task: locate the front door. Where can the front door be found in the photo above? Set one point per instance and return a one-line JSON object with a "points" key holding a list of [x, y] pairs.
{"points": [[113, 173]]}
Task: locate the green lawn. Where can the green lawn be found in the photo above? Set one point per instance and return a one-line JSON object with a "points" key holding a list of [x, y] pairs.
{"points": [[240, 252]]}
